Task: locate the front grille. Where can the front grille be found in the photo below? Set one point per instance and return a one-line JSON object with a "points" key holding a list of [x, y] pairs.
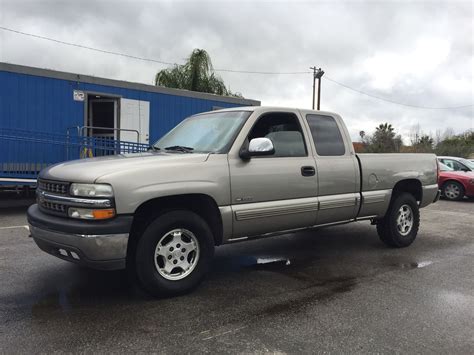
{"points": [[55, 207], [54, 187]]}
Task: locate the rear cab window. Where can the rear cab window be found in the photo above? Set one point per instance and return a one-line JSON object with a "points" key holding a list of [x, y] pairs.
{"points": [[326, 134]]}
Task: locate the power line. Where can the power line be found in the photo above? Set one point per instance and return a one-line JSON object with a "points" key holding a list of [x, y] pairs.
{"points": [[137, 57], [395, 102], [85, 47], [227, 70], [263, 72]]}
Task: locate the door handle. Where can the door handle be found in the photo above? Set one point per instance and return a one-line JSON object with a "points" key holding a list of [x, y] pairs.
{"points": [[308, 170]]}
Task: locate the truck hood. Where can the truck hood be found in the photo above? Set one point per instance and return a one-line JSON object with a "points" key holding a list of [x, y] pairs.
{"points": [[91, 169]]}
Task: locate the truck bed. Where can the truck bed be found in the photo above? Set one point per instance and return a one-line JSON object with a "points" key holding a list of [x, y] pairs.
{"points": [[381, 172]]}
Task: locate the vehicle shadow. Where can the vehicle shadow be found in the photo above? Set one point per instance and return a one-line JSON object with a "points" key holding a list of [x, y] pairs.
{"points": [[14, 210], [12, 200], [316, 264], [63, 286]]}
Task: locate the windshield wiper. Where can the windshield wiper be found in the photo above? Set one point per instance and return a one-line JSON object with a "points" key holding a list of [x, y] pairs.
{"points": [[180, 148]]}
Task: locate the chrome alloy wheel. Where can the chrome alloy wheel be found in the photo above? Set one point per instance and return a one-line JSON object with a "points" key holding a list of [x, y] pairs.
{"points": [[405, 220], [176, 254], [452, 191]]}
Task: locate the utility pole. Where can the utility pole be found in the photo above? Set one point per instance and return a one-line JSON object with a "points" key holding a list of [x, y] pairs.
{"points": [[317, 74]]}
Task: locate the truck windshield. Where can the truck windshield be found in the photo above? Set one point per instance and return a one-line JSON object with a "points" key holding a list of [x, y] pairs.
{"points": [[206, 133]]}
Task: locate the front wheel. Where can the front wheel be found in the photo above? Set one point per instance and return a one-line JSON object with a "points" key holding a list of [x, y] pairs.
{"points": [[174, 253], [399, 227]]}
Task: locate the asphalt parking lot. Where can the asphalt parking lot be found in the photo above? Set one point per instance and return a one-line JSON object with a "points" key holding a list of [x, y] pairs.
{"points": [[333, 290]]}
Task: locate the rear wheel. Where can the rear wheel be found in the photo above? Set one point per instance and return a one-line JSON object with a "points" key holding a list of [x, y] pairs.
{"points": [[174, 253], [399, 227], [453, 191]]}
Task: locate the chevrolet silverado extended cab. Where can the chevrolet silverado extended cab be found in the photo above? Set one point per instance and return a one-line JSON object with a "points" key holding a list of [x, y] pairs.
{"points": [[220, 177]]}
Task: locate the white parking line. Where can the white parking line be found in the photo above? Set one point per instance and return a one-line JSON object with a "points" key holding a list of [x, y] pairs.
{"points": [[13, 227]]}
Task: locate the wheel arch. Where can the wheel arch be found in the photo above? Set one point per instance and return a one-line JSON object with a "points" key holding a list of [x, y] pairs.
{"points": [[201, 204], [411, 186]]}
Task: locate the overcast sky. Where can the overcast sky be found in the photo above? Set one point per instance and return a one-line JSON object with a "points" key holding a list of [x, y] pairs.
{"points": [[417, 53]]}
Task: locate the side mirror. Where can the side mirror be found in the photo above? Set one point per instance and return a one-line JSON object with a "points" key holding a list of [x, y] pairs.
{"points": [[257, 147]]}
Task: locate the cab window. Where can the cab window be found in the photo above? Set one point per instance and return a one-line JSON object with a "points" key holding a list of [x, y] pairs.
{"points": [[284, 130], [326, 135]]}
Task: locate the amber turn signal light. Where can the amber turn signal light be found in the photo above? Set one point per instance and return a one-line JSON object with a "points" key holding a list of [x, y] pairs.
{"points": [[103, 214], [85, 213]]}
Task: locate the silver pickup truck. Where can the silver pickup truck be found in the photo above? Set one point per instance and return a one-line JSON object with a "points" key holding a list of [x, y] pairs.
{"points": [[221, 177]]}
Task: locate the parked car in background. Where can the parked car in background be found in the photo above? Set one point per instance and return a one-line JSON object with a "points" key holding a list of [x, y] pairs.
{"points": [[455, 185], [457, 164]]}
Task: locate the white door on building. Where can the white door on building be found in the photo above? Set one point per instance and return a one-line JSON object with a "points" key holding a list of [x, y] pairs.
{"points": [[135, 115]]}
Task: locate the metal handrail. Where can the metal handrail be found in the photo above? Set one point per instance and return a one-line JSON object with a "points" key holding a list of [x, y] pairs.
{"points": [[23, 153], [76, 127], [109, 128], [67, 138]]}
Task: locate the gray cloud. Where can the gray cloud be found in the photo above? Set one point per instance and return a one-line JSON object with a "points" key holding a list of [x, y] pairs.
{"points": [[419, 53]]}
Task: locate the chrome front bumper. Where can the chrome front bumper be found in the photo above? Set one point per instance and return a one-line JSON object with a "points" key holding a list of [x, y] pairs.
{"points": [[105, 251], [97, 244]]}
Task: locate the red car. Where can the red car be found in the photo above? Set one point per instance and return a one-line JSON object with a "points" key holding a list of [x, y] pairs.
{"points": [[455, 185]]}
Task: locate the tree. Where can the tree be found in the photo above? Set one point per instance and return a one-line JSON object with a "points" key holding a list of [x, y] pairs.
{"points": [[461, 145], [424, 144], [385, 140], [448, 133], [415, 134], [438, 138], [197, 74]]}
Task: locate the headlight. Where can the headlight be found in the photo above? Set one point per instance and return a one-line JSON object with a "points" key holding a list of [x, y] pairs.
{"points": [[85, 213], [91, 190]]}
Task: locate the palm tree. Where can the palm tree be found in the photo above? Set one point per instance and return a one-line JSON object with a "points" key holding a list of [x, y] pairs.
{"points": [[385, 129], [197, 74], [385, 139]]}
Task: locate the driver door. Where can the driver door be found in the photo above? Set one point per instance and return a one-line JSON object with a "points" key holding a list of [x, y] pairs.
{"points": [[276, 192]]}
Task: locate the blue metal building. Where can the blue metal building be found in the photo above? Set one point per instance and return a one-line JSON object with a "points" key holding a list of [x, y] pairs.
{"points": [[45, 105]]}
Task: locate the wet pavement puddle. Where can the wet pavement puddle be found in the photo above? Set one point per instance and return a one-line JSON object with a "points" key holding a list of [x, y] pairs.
{"points": [[413, 265], [308, 278], [319, 292], [273, 261]]}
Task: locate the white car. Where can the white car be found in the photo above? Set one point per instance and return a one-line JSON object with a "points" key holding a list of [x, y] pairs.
{"points": [[457, 164]]}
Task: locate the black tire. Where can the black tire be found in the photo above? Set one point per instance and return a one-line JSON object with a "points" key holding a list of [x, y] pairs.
{"points": [[146, 270], [389, 228], [453, 191]]}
